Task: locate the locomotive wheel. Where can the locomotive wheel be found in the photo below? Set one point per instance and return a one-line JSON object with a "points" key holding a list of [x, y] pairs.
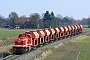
{"points": [[35, 48], [52, 41], [47, 43], [27, 49], [40, 45]]}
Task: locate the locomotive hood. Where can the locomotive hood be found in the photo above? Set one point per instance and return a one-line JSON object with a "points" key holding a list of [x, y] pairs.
{"points": [[21, 42]]}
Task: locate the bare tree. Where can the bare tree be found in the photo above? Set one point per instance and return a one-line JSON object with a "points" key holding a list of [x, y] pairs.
{"points": [[12, 17], [34, 20]]}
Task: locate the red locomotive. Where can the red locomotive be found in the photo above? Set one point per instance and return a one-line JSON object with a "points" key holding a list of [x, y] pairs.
{"points": [[33, 39]]}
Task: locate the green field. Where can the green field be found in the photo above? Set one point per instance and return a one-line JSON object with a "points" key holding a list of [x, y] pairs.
{"points": [[11, 32], [72, 51]]}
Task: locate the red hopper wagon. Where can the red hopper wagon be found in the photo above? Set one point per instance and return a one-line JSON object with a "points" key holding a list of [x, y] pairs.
{"points": [[70, 30], [47, 35], [52, 34], [57, 31], [41, 37], [66, 31], [61, 32]]}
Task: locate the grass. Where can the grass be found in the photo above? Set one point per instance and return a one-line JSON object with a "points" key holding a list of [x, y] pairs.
{"points": [[11, 32], [37, 55], [85, 51], [72, 51]]}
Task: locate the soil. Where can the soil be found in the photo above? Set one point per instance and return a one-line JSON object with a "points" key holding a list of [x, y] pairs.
{"points": [[6, 42]]}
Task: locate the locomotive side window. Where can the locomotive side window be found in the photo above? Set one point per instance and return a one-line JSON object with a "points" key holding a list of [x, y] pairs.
{"points": [[20, 35], [29, 35]]}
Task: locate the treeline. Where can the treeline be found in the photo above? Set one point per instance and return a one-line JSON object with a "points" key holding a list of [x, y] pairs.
{"points": [[45, 20]]}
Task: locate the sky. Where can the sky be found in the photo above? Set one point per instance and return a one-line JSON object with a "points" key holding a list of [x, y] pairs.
{"points": [[78, 9]]}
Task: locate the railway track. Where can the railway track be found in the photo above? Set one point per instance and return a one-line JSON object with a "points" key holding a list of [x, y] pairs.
{"points": [[29, 55], [11, 57]]}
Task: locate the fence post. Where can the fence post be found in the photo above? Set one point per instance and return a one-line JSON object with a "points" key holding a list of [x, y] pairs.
{"points": [[2, 53]]}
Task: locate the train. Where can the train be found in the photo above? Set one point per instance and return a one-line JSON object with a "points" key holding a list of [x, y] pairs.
{"points": [[33, 39]]}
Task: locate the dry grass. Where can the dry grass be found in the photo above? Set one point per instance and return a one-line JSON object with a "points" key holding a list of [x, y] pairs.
{"points": [[79, 38], [43, 55]]}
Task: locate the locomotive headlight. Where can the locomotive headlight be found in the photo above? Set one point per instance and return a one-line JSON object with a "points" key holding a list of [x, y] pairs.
{"points": [[14, 48], [22, 49]]}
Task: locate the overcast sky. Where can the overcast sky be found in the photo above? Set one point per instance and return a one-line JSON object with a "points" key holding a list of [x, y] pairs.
{"points": [[76, 8]]}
